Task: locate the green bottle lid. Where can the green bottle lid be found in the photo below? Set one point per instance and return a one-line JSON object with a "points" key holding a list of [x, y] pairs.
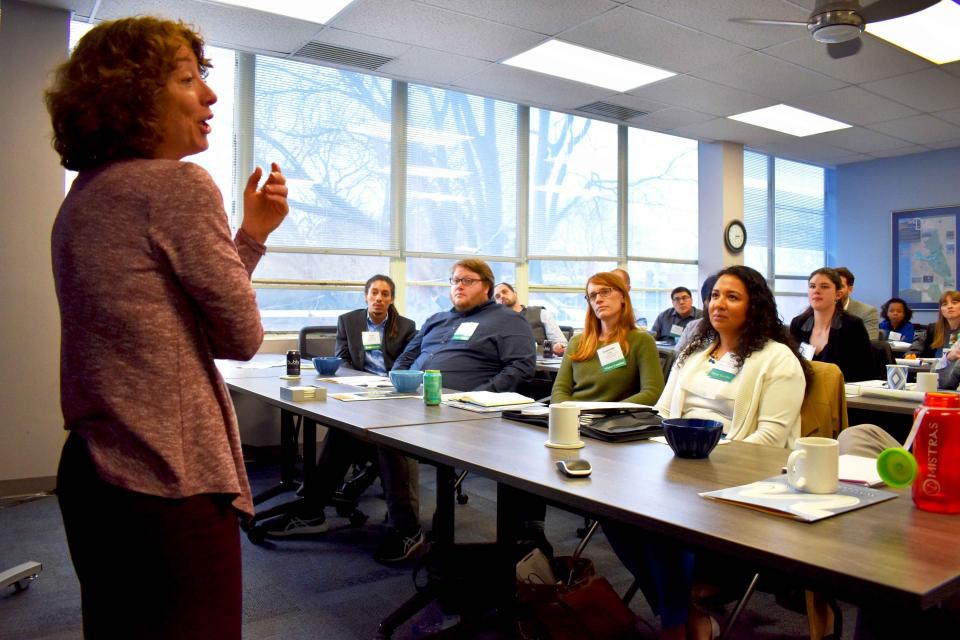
{"points": [[897, 467]]}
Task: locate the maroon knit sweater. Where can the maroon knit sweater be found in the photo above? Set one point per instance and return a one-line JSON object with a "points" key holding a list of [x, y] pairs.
{"points": [[151, 289]]}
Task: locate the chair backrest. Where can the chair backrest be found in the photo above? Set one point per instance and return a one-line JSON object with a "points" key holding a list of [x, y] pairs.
{"points": [[824, 409], [318, 341], [667, 356], [566, 330], [882, 356]]}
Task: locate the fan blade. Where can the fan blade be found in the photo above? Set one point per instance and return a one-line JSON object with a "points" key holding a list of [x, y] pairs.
{"points": [[889, 9], [843, 49], [783, 23]]}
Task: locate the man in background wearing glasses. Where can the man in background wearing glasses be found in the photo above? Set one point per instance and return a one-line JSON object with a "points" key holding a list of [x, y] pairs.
{"points": [[670, 322], [478, 345]]}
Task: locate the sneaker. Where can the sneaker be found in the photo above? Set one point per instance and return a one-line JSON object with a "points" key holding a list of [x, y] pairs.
{"points": [[398, 547], [289, 525]]}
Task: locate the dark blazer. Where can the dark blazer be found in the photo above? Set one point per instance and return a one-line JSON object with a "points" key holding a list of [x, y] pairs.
{"points": [[848, 346], [350, 327]]}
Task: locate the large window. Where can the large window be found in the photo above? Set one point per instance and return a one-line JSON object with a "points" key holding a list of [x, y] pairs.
{"points": [[784, 210]]}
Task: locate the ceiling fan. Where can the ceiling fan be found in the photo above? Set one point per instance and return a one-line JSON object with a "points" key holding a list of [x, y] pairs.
{"points": [[839, 23]]}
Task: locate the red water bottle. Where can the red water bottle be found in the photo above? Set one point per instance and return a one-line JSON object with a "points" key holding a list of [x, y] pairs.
{"points": [[937, 450]]}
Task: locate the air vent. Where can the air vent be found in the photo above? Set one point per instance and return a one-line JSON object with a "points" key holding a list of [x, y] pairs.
{"points": [[342, 55], [608, 110]]}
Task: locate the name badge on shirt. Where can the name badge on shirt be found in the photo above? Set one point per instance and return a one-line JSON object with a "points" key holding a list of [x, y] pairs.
{"points": [[371, 340], [725, 369], [465, 330], [676, 330], [611, 357], [896, 337], [807, 350]]}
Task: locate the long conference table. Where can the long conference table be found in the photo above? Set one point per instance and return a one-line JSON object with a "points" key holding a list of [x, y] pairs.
{"points": [[889, 554]]}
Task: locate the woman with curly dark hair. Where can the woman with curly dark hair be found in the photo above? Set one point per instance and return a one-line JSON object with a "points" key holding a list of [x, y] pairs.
{"points": [[827, 333], [742, 370], [151, 288]]}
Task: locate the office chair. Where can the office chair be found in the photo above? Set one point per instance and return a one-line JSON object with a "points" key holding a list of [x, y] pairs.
{"points": [[882, 356]]}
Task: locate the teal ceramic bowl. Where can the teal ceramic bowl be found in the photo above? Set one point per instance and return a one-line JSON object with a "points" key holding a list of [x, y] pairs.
{"points": [[406, 381]]}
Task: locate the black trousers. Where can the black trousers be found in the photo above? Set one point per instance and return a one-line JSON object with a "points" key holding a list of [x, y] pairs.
{"points": [[149, 567]]}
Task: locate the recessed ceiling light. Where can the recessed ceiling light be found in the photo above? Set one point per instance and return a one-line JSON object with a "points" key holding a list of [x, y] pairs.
{"points": [[569, 61], [796, 122], [319, 12], [931, 33]]}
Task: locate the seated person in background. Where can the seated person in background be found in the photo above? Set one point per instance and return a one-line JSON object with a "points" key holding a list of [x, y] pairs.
{"points": [[896, 320], [670, 323], [541, 321], [611, 360], [478, 345], [862, 310], [623, 275], [942, 334], [743, 370], [368, 340], [828, 333], [705, 290]]}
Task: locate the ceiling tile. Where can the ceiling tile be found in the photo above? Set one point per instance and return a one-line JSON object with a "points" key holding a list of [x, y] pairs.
{"points": [[731, 131], [860, 140], [853, 105], [671, 118], [927, 90], [434, 28], [221, 25], [548, 17], [902, 151], [953, 115], [922, 129], [651, 40], [528, 87], [856, 157], [700, 95], [946, 144], [768, 76], [432, 67], [806, 150], [876, 60]]}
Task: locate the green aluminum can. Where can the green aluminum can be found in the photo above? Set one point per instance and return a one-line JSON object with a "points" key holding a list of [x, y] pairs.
{"points": [[432, 384]]}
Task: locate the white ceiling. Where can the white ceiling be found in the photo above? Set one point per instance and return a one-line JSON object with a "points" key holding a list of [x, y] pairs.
{"points": [[899, 103]]}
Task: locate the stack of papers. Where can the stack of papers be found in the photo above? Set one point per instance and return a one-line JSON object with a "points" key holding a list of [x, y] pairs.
{"points": [[488, 401], [878, 389], [367, 382], [776, 496]]}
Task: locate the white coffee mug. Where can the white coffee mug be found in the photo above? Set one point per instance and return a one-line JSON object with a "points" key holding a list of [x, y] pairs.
{"points": [[897, 376], [814, 465], [927, 381], [564, 426]]}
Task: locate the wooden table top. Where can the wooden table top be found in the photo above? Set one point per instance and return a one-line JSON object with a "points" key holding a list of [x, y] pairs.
{"points": [[890, 551], [358, 416]]}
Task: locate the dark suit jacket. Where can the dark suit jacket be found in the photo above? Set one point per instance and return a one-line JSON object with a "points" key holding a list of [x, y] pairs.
{"points": [[352, 324], [848, 346]]}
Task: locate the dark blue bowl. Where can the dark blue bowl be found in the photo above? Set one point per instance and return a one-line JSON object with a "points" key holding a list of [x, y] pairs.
{"points": [[327, 365], [692, 437]]}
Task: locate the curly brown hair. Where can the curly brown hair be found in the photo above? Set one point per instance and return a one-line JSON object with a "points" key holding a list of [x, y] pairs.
{"points": [[104, 103]]}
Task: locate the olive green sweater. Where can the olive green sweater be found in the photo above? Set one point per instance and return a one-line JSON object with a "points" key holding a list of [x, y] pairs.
{"points": [[640, 381]]}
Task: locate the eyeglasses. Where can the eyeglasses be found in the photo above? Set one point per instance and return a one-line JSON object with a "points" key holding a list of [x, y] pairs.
{"points": [[681, 298], [464, 281], [599, 293]]}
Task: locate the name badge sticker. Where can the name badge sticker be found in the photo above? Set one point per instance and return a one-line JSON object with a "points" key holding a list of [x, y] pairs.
{"points": [[807, 350], [611, 357], [725, 369], [465, 330], [676, 330], [371, 340], [896, 337]]}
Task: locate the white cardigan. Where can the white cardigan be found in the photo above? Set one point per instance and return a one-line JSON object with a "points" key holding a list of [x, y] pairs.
{"points": [[766, 409]]}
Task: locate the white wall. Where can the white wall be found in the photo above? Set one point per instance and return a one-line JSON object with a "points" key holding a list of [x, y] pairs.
{"points": [[867, 194], [32, 41]]}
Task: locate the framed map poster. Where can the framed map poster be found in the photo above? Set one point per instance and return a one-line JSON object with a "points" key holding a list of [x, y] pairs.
{"points": [[925, 254]]}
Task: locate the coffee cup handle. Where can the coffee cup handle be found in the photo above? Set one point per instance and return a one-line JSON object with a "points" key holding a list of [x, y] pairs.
{"points": [[793, 476]]}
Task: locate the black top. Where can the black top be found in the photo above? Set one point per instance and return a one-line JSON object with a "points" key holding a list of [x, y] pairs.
{"points": [[922, 344], [350, 327], [848, 345]]}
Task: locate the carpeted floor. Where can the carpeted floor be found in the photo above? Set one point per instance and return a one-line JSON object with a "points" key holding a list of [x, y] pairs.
{"points": [[327, 587]]}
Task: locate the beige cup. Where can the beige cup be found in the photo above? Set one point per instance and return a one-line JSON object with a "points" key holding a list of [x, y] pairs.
{"points": [[564, 426], [814, 465], [927, 381]]}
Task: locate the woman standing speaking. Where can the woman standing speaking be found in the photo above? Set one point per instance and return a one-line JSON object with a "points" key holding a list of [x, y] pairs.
{"points": [[151, 289]]}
